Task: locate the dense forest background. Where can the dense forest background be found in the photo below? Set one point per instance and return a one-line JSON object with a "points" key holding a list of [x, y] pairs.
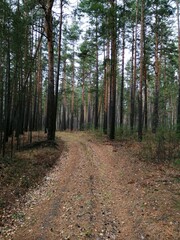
{"points": [[108, 65]]}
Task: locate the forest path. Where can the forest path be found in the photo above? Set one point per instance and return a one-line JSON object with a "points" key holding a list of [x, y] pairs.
{"points": [[97, 192]]}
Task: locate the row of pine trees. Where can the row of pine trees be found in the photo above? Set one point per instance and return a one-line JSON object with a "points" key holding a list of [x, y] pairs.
{"points": [[97, 64]]}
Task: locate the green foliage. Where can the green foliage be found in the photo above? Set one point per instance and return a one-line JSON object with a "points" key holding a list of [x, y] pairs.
{"points": [[124, 133], [18, 216], [177, 163], [177, 204], [73, 32], [94, 8], [164, 146]]}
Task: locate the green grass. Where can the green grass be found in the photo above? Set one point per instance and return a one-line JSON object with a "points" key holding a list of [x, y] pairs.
{"points": [[176, 163], [177, 204]]}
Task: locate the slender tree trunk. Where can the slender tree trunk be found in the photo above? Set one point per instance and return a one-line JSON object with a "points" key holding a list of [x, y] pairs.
{"points": [[145, 84], [134, 76], [7, 100], [39, 93], [112, 104], [145, 99], [106, 87], [58, 63], [82, 102], [73, 92], [140, 119], [97, 78], [122, 76], [30, 113], [64, 123], [178, 110], [132, 84], [164, 116], [89, 109], [157, 79], [105, 95], [34, 125]]}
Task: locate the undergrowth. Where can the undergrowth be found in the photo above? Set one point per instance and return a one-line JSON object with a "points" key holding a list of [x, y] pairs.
{"points": [[25, 170], [164, 146]]}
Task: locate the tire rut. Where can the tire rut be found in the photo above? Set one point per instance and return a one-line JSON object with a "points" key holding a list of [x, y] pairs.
{"points": [[87, 199]]}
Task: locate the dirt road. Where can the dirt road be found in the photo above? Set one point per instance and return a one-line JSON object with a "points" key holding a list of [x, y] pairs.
{"points": [[98, 191]]}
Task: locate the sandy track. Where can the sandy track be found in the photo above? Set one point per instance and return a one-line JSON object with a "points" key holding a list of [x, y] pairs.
{"points": [[96, 192]]}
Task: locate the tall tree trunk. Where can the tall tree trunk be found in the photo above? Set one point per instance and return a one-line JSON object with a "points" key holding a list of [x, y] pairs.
{"points": [[97, 77], [145, 85], [35, 110], [122, 72], [51, 99], [134, 74], [39, 93], [82, 101], [106, 86], [178, 111], [157, 78], [132, 83], [145, 99], [112, 104], [64, 123], [140, 119], [7, 99], [73, 92], [89, 109], [58, 62]]}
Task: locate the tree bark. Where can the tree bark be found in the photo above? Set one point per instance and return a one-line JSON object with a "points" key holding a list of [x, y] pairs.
{"points": [[112, 104], [82, 101], [73, 91], [51, 99], [58, 63], [122, 74], [64, 124], [97, 78], [140, 119], [178, 110], [157, 78], [134, 72]]}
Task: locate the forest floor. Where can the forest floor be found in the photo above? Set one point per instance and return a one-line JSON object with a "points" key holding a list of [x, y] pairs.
{"points": [[100, 190]]}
